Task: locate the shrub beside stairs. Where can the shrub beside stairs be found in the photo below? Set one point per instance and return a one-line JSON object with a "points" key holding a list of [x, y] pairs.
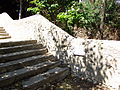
{"points": [[30, 64]]}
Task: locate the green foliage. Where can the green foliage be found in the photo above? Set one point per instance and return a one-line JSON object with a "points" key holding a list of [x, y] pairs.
{"points": [[48, 8], [84, 15], [112, 14], [70, 13]]}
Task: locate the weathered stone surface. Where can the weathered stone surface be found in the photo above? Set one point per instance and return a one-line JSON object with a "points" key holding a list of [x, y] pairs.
{"points": [[16, 43], [22, 54], [21, 63], [12, 49], [22, 60], [95, 60], [11, 77], [51, 76]]}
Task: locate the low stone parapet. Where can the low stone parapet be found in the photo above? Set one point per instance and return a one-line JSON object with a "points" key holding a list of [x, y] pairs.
{"points": [[95, 60]]}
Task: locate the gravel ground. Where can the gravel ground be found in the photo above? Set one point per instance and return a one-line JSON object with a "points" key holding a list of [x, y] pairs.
{"points": [[69, 83], [73, 83]]}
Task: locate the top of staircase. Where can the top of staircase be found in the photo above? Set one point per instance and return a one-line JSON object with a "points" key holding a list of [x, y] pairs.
{"points": [[4, 34]]}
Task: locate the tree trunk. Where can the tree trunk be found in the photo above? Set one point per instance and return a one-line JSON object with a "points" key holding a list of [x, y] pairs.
{"points": [[20, 10], [102, 17], [92, 1], [82, 1], [102, 14]]}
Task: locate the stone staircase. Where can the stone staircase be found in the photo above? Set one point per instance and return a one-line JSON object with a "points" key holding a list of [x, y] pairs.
{"points": [[30, 64], [4, 34]]}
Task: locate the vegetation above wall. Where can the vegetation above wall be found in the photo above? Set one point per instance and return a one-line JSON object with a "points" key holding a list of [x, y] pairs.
{"points": [[95, 19], [98, 19]]}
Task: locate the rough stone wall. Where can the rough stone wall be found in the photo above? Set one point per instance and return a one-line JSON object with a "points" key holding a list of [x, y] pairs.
{"points": [[95, 60]]}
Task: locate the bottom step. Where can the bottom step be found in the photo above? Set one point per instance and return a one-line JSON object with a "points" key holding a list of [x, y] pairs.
{"points": [[16, 75], [53, 75]]}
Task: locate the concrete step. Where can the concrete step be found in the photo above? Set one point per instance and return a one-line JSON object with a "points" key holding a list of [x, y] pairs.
{"points": [[6, 50], [4, 34], [11, 77], [22, 54], [17, 43], [2, 31], [5, 37], [1, 27], [53, 75], [21, 63]]}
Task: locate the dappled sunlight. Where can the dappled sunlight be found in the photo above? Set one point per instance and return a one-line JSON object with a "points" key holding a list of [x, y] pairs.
{"points": [[84, 56], [93, 60]]}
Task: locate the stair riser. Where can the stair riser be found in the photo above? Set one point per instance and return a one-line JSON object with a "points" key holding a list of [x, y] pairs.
{"points": [[50, 80], [4, 34], [1, 27], [2, 31], [16, 49], [27, 74], [22, 64], [5, 37], [10, 44], [20, 56]]}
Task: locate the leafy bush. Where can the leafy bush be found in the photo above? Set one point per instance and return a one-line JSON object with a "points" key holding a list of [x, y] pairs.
{"points": [[112, 14], [70, 13], [48, 8], [84, 15]]}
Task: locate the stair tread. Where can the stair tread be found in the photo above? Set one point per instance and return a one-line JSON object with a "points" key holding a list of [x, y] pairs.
{"points": [[5, 37], [20, 47], [1, 27], [41, 78], [21, 52], [19, 74], [17, 43], [2, 31], [6, 66], [4, 34], [23, 70], [26, 45]]}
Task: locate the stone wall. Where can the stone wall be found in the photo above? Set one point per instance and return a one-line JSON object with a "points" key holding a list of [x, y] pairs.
{"points": [[95, 60]]}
